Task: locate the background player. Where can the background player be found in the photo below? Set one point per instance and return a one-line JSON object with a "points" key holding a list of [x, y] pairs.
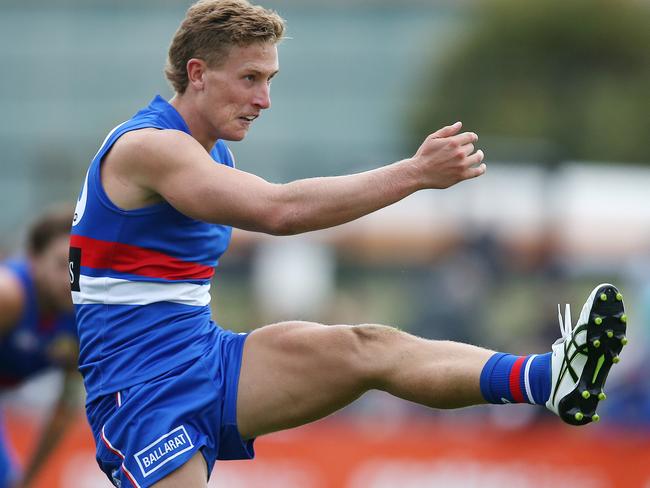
{"points": [[37, 331], [168, 391]]}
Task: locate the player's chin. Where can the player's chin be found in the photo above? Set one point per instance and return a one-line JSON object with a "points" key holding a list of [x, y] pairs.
{"points": [[236, 135]]}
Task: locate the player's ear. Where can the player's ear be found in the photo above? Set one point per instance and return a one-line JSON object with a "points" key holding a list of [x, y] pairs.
{"points": [[196, 73]]}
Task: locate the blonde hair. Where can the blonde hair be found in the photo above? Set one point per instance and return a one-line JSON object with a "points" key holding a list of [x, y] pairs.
{"points": [[211, 27]]}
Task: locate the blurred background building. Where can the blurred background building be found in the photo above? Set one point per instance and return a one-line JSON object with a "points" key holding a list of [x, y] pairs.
{"points": [[557, 92]]}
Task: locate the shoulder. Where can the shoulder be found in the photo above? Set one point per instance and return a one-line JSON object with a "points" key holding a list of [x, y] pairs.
{"points": [[12, 298], [144, 147], [151, 139], [142, 157]]}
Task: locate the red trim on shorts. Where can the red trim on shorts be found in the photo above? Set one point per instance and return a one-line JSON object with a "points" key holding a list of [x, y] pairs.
{"points": [[129, 477], [111, 448], [121, 456]]}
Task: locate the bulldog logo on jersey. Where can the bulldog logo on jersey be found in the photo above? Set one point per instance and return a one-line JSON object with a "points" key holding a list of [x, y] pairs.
{"points": [[80, 208], [163, 450]]}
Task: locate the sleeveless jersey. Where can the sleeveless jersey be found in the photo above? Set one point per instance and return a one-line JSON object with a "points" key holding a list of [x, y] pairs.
{"points": [[140, 278], [23, 350]]}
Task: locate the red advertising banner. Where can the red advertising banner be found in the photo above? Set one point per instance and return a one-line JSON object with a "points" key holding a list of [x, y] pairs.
{"points": [[413, 454]]}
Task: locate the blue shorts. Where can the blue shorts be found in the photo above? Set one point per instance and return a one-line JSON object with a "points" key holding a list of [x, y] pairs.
{"points": [[145, 432], [8, 468]]}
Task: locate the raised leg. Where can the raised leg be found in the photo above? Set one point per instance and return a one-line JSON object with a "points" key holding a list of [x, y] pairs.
{"points": [[297, 372]]}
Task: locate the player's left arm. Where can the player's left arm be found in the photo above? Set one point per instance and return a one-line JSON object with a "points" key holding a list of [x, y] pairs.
{"points": [[64, 412], [12, 301]]}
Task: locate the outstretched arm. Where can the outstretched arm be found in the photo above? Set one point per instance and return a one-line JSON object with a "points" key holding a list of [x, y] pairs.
{"points": [[172, 165], [440, 162]]}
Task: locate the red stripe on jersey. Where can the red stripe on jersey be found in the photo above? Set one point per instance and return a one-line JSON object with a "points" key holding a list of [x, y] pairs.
{"points": [[515, 385], [126, 258]]}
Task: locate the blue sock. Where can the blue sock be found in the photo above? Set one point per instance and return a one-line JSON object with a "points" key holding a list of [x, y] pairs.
{"points": [[516, 379]]}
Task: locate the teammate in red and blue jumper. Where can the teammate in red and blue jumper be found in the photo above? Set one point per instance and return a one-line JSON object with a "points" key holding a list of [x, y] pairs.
{"points": [[38, 332]]}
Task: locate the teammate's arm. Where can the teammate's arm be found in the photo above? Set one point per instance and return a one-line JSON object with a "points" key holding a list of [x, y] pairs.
{"points": [[12, 301], [173, 165], [65, 409]]}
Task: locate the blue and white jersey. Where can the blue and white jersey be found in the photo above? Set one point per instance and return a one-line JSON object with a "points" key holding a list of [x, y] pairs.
{"points": [[140, 278], [24, 349]]}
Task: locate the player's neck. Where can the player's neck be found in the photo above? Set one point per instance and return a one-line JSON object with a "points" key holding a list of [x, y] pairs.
{"points": [[192, 117]]}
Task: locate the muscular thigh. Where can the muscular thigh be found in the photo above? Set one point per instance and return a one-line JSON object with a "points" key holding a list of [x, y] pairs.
{"points": [[296, 372], [193, 474]]}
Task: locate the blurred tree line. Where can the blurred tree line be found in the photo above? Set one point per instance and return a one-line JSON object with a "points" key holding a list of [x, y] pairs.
{"points": [[547, 80]]}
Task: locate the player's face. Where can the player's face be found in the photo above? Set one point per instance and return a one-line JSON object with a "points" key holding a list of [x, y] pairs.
{"points": [[51, 273], [236, 92]]}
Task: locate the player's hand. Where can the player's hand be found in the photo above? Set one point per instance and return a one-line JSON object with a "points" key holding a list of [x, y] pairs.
{"points": [[447, 157]]}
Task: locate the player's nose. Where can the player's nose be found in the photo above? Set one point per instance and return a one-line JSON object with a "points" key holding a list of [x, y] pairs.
{"points": [[263, 97]]}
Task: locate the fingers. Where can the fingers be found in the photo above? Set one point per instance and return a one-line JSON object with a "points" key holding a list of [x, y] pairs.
{"points": [[449, 157], [447, 131], [475, 171], [464, 138], [475, 165], [463, 144], [475, 158]]}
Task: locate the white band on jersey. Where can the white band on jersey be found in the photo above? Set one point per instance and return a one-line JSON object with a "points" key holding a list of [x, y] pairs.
{"points": [[114, 291]]}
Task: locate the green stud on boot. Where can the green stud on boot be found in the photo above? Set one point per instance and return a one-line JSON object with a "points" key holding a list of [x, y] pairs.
{"points": [[619, 297], [596, 343], [610, 333], [598, 320], [624, 341], [579, 416], [603, 297], [602, 396], [595, 418], [586, 394], [624, 318], [615, 359]]}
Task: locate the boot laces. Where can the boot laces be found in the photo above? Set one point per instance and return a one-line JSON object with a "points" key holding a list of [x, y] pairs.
{"points": [[565, 325]]}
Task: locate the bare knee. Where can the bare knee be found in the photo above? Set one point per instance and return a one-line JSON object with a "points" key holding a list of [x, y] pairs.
{"points": [[374, 333], [356, 352], [371, 343]]}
